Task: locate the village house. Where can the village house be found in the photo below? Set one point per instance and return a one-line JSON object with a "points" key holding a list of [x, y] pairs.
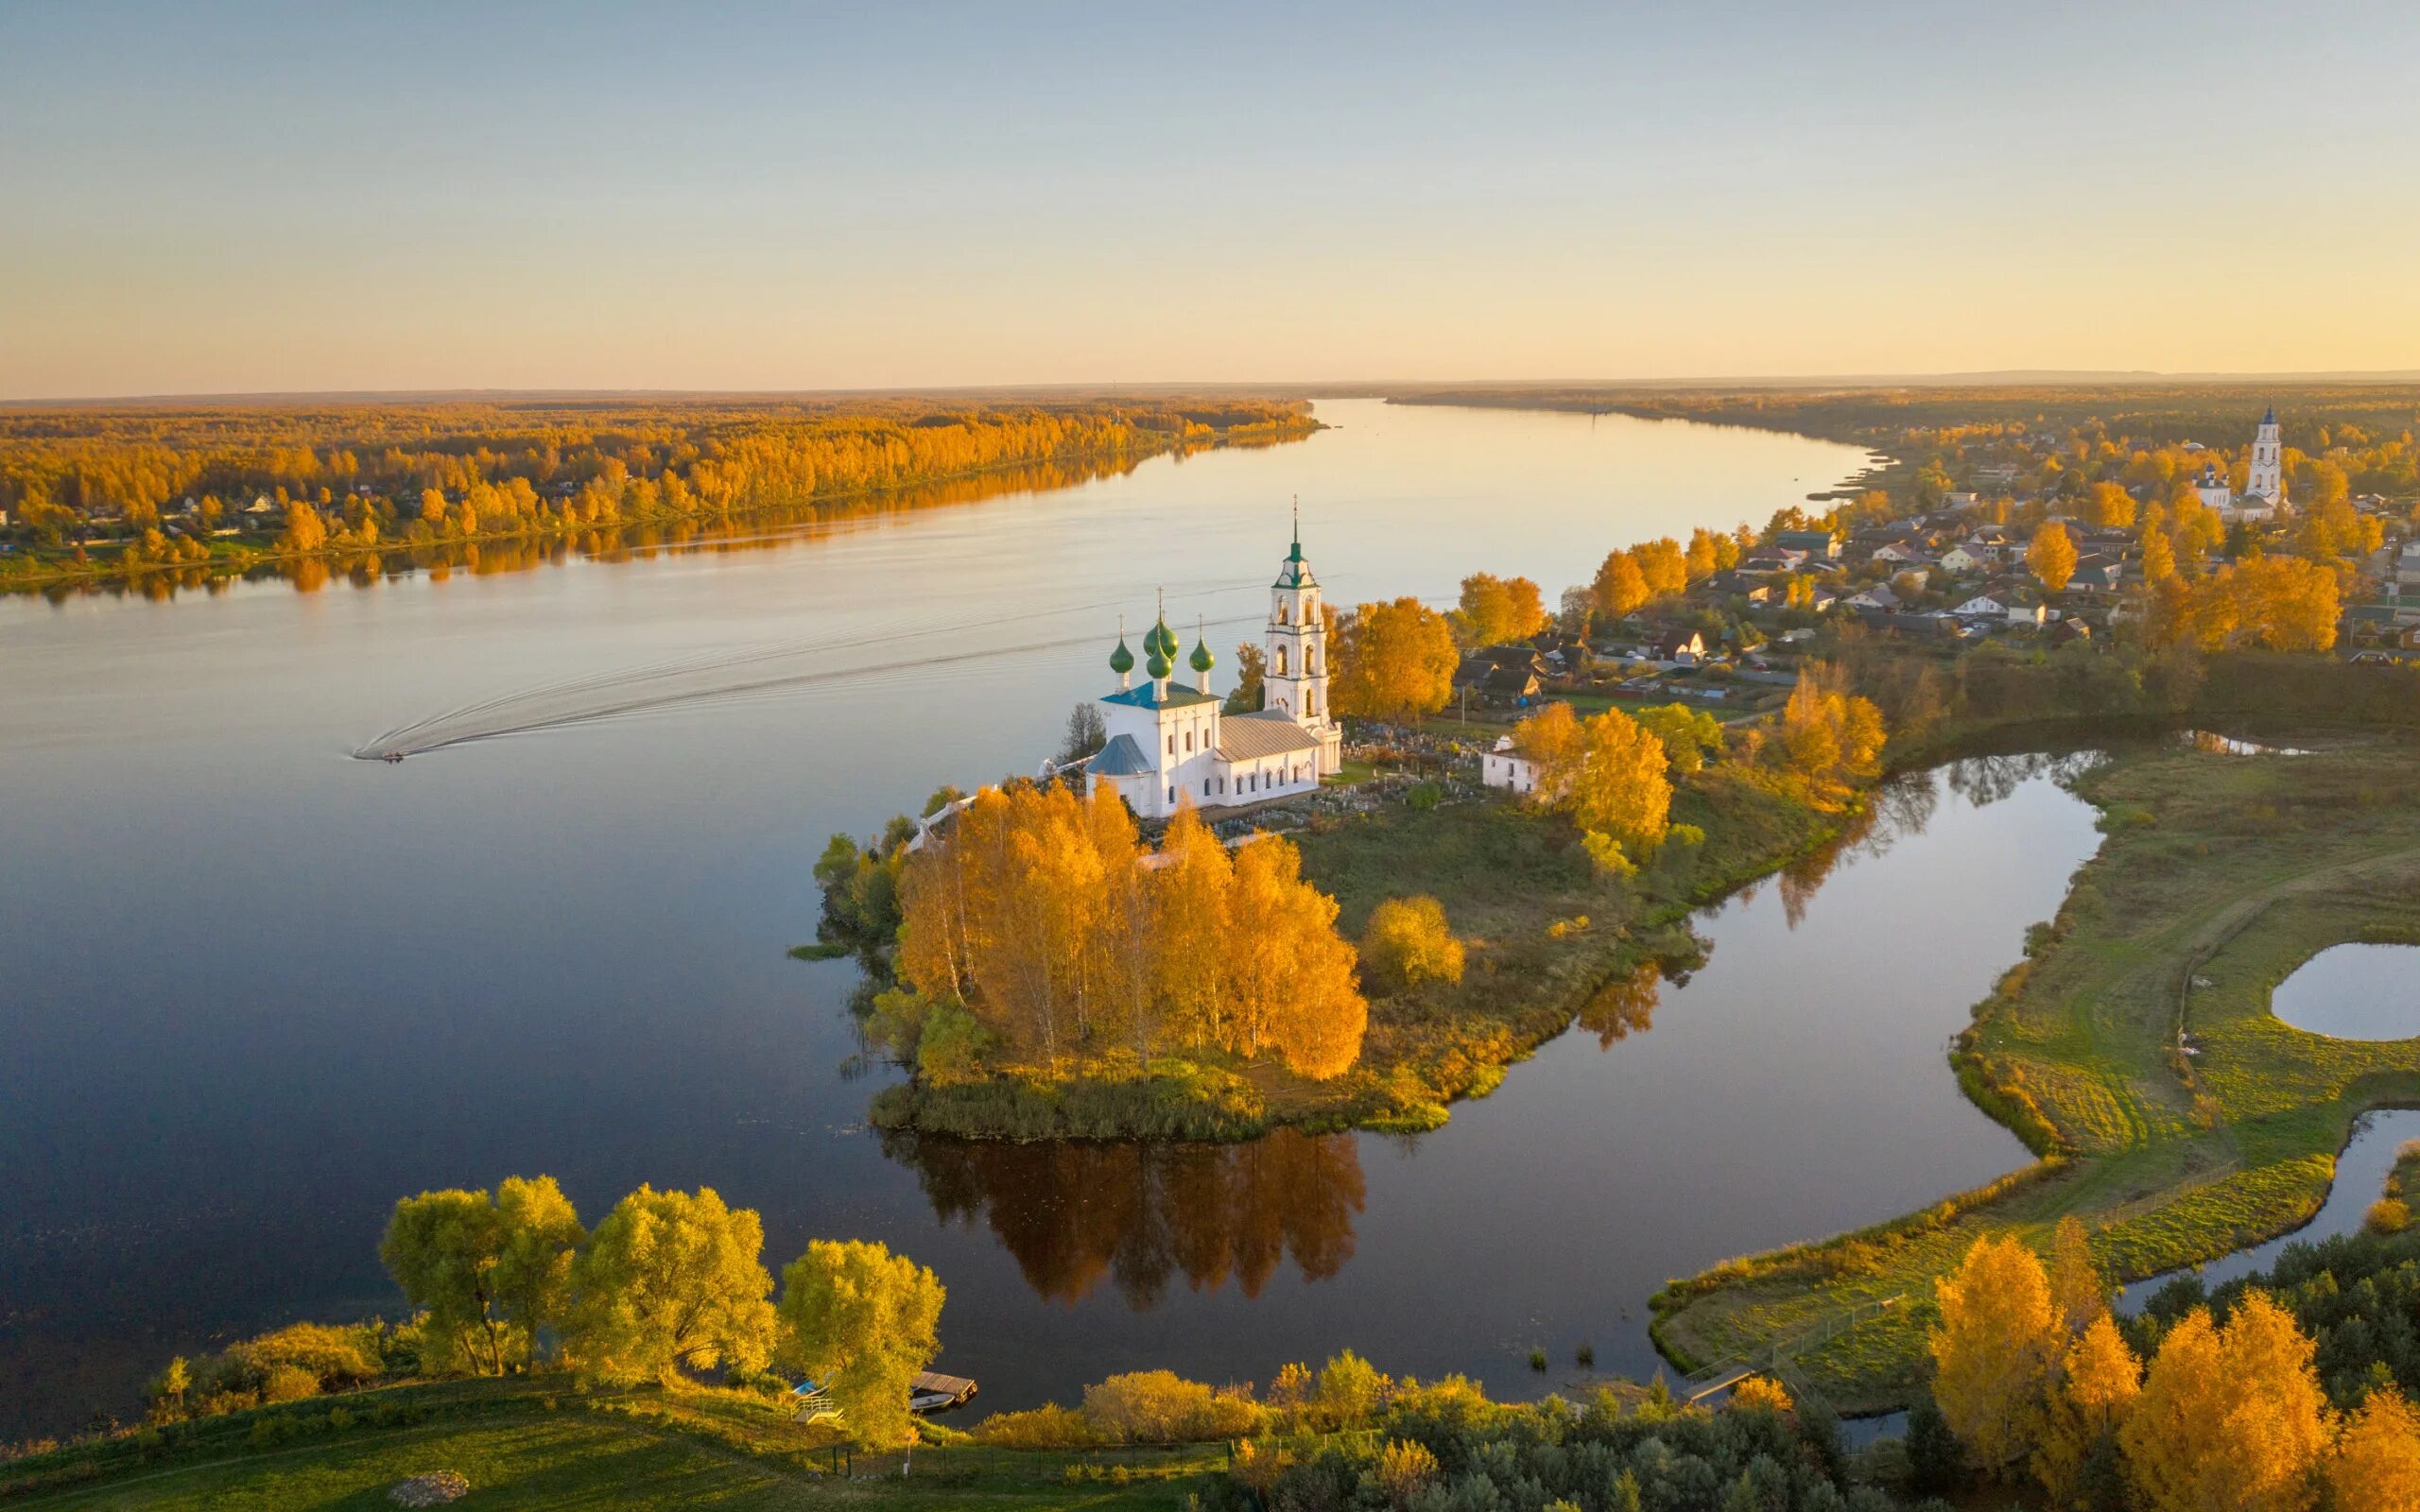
{"points": [[1681, 647], [1824, 544], [1507, 768], [1502, 675], [2097, 574]]}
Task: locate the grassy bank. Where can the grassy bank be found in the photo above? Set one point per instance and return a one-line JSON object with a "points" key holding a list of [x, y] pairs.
{"points": [[537, 1442], [1545, 934], [2221, 875]]}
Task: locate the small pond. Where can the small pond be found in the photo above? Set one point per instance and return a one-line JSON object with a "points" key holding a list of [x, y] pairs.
{"points": [[2361, 991]]}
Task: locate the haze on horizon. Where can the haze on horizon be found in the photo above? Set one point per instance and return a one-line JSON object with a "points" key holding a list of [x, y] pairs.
{"points": [[296, 197]]}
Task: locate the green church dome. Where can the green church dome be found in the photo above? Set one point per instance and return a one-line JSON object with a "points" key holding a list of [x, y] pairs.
{"points": [[1157, 666], [1202, 660], [1121, 661], [1160, 641]]}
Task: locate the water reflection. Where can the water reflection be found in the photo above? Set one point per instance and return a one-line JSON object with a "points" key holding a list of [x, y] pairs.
{"points": [[1074, 1212]]}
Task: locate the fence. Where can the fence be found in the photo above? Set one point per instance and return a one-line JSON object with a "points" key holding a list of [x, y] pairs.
{"points": [[1780, 1358]]}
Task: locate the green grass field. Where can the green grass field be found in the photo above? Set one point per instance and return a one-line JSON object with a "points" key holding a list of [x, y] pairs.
{"points": [[2221, 874], [525, 1444]]}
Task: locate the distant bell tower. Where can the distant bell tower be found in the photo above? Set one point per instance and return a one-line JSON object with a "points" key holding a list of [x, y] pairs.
{"points": [[2268, 472], [1296, 676]]}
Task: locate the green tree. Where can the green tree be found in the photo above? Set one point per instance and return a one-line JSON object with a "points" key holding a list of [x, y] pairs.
{"points": [[862, 1322], [672, 1280], [442, 1248]]}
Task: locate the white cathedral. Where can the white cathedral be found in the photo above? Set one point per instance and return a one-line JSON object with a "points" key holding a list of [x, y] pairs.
{"points": [[1170, 744], [2264, 484]]}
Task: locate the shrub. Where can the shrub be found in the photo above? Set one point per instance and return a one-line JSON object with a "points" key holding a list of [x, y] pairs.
{"points": [[288, 1383], [1049, 1426], [1402, 1468], [1406, 942], [333, 1357], [1162, 1407], [2387, 1215], [1352, 1391]]}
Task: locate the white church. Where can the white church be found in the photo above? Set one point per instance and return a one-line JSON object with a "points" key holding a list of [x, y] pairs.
{"points": [[1170, 744], [2264, 486]]}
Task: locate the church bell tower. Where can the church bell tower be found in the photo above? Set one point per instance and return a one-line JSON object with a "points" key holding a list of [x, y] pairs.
{"points": [[2267, 474], [1295, 679]]}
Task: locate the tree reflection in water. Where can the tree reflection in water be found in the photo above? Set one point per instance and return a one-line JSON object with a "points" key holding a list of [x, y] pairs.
{"points": [[1141, 1213]]}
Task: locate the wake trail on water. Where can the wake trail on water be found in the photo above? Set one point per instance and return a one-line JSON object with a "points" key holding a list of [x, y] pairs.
{"points": [[706, 681]]}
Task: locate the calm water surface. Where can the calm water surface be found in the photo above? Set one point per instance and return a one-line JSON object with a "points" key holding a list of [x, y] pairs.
{"points": [[255, 989], [2359, 992]]}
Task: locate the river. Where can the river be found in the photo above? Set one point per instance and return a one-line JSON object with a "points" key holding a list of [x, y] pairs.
{"points": [[255, 989]]}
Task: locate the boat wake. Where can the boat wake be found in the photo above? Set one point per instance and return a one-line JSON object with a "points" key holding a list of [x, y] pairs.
{"points": [[738, 677]]}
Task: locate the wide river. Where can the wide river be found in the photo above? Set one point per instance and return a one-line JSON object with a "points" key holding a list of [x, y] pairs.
{"points": [[253, 991]]}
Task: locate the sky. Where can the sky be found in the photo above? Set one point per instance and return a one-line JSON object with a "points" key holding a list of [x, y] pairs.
{"points": [[247, 198]]}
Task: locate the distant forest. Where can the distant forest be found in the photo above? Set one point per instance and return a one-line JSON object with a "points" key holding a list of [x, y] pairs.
{"points": [[116, 489], [2367, 429]]}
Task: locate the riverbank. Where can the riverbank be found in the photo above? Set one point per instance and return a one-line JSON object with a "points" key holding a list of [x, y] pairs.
{"points": [[2133, 1050], [1549, 941], [541, 1441], [531, 543]]}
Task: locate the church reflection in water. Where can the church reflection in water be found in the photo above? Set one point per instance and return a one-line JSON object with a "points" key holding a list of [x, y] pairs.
{"points": [[1144, 1215]]}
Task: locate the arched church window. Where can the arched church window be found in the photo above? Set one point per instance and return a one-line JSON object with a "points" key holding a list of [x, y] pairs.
{"points": [[1281, 612], [1188, 740], [1172, 744], [1281, 660]]}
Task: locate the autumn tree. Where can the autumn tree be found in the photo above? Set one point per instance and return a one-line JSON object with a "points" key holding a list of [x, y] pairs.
{"points": [[1036, 914], [1829, 735], [862, 1323], [1687, 735], [2376, 1463], [1662, 565], [1619, 588], [2051, 555], [1495, 610], [1995, 1350], [304, 529], [488, 1272], [1252, 665], [2159, 554], [2078, 1292], [1393, 662], [2109, 506], [1608, 773], [1406, 942], [1294, 991], [2098, 1380], [2229, 1418], [672, 1281]]}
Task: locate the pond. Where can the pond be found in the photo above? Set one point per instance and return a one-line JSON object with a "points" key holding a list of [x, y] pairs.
{"points": [[2358, 991], [258, 989]]}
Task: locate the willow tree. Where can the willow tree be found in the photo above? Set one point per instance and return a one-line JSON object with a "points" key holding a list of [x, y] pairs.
{"points": [[672, 1281], [862, 1322]]}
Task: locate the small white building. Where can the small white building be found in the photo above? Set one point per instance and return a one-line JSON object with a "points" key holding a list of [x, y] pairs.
{"points": [[1507, 768], [1170, 744]]}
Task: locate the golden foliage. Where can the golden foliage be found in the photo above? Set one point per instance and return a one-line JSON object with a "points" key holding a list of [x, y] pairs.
{"points": [[1619, 587], [2229, 1420], [2283, 603], [2077, 1289], [2051, 555], [2099, 1382], [1995, 1349], [1406, 942], [1829, 735], [2375, 1465], [1393, 662], [1039, 914], [1762, 1392], [1496, 610], [1402, 1468], [1608, 772]]}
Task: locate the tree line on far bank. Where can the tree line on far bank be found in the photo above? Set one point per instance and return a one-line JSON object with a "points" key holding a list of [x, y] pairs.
{"points": [[668, 1284]]}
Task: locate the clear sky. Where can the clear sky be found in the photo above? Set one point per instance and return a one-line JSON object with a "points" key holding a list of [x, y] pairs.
{"points": [[233, 197]]}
